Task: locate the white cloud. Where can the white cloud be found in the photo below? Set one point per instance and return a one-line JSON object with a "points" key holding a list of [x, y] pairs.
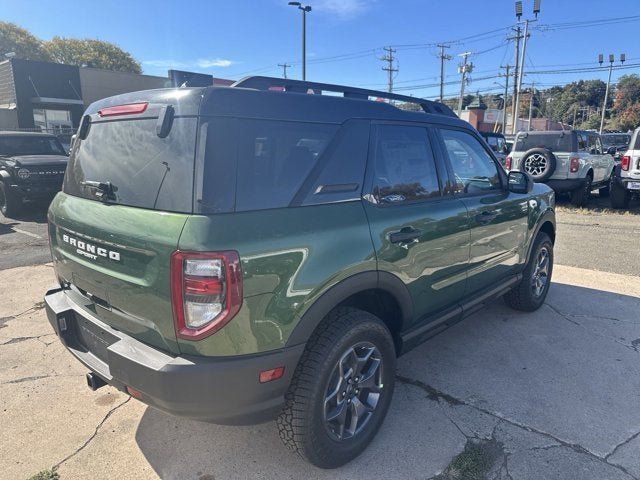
{"points": [[200, 63], [341, 8]]}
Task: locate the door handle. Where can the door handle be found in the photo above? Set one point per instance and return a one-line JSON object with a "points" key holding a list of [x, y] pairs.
{"points": [[406, 235], [486, 217]]}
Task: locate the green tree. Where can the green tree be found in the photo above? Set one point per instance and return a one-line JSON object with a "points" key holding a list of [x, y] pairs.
{"points": [[91, 53], [21, 42]]}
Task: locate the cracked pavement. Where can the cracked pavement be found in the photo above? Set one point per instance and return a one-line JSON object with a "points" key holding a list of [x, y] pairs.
{"points": [[556, 390]]}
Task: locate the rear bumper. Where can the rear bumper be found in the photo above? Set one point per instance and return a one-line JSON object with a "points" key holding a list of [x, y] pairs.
{"points": [[565, 185], [624, 183], [222, 390]]}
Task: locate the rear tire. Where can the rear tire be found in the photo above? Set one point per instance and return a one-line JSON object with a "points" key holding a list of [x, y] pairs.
{"points": [[531, 292], [620, 197], [580, 197], [606, 191], [324, 384], [10, 206]]}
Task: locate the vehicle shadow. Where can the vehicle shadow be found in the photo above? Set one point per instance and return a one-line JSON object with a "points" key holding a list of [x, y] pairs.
{"points": [[597, 204], [504, 361], [31, 212]]}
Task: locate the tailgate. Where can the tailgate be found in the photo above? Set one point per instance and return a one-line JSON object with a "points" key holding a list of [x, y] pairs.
{"points": [[117, 258]]}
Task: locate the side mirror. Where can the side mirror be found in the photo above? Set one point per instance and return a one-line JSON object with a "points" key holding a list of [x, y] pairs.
{"points": [[612, 150], [520, 182]]}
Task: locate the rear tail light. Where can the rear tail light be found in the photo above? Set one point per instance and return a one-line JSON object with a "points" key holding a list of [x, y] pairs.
{"points": [[574, 164], [507, 163], [625, 162], [129, 109], [206, 291]]}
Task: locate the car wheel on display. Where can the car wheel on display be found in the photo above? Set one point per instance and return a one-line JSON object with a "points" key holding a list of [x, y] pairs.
{"points": [[532, 290], [9, 204], [580, 196], [540, 163], [341, 389]]}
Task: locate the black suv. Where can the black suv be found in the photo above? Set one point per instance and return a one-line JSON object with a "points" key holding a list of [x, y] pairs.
{"points": [[235, 254], [32, 167]]}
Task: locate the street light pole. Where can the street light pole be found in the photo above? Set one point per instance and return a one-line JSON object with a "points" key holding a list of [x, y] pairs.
{"points": [[304, 9]]}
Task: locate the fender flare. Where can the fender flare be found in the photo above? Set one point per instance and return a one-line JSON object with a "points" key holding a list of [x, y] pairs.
{"points": [[548, 216], [338, 293]]}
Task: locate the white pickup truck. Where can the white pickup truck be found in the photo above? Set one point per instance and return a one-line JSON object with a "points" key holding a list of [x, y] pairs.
{"points": [[626, 179], [572, 161]]}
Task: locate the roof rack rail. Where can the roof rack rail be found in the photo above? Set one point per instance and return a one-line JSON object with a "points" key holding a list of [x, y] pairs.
{"points": [[300, 86]]}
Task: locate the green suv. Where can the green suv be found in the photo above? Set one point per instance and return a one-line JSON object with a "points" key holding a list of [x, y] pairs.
{"points": [[267, 250]]}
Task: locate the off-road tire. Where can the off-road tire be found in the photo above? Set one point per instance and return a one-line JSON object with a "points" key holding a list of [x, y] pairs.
{"points": [[620, 197], [580, 196], [522, 296], [539, 154], [10, 206], [301, 424], [606, 190]]}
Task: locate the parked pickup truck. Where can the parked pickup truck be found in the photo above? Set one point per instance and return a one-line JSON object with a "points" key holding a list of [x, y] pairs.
{"points": [[572, 161]]}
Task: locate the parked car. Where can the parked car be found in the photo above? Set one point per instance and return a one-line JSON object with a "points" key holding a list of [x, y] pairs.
{"points": [[32, 167], [236, 254], [498, 144], [626, 178], [616, 144], [572, 161]]}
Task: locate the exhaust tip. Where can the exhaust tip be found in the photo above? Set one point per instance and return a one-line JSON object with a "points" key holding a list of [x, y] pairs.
{"points": [[94, 382]]}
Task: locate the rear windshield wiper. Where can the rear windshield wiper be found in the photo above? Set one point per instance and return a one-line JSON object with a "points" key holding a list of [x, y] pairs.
{"points": [[105, 191]]}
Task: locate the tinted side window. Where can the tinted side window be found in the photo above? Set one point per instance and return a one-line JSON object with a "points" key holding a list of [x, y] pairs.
{"points": [[474, 169], [582, 142], [274, 159], [405, 169]]}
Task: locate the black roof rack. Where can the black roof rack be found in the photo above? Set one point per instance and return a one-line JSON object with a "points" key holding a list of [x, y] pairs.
{"points": [[300, 86]]}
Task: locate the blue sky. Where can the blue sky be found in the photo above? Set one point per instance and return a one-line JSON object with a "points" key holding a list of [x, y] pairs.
{"points": [[237, 37]]}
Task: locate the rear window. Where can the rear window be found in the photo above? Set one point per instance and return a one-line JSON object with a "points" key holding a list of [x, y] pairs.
{"points": [[146, 171], [555, 142], [269, 159], [30, 145], [616, 140]]}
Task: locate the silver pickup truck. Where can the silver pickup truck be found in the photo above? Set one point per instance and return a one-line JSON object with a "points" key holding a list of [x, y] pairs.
{"points": [[569, 161]]}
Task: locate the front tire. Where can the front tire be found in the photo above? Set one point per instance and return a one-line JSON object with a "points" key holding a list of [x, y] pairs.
{"points": [[341, 389], [530, 293], [620, 197]]}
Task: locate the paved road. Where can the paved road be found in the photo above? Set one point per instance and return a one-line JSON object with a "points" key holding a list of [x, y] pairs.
{"points": [[23, 240], [552, 394]]}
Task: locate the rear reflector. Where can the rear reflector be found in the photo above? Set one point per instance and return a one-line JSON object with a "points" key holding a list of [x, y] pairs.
{"points": [[625, 162], [129, 109], [270, 375], [134, 393]]}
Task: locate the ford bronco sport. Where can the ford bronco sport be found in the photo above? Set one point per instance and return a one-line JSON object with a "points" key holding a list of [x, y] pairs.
{"points": [[236, 254], [569, 161], [626, 178], [32, 167]]}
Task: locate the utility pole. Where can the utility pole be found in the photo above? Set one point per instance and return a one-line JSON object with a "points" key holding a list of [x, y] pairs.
{"points": [[304, 9], [517, 37], [463, 69], [606, 93], [533, 91], [389, 58], [525, 36], [284, 69], [506, 97], [442, 57]]}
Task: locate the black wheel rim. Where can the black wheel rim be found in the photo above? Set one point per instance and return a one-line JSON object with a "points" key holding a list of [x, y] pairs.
{"points": [[353, 391], [540, 276], [536, 164]]}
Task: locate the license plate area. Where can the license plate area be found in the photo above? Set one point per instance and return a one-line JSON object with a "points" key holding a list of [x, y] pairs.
{"points": [[93, 339], [633, 185]]}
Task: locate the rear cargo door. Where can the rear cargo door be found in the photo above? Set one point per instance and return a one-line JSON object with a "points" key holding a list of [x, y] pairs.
{"points": [[127, 193]]}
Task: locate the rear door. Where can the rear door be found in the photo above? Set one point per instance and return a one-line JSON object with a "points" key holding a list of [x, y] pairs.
{"points": [[126, 197], [497, 217], [419, 229]]}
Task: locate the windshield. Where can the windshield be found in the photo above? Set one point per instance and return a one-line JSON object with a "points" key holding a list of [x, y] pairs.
{"points": [[556, 142], [30, 145]]}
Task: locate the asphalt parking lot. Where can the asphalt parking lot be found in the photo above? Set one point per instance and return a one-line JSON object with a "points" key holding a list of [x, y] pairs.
{"points": [[548, 395]]}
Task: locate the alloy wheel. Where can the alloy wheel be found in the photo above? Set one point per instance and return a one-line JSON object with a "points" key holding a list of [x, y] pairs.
{"points": [[540, 276], [536, 164], [353, 391]]}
